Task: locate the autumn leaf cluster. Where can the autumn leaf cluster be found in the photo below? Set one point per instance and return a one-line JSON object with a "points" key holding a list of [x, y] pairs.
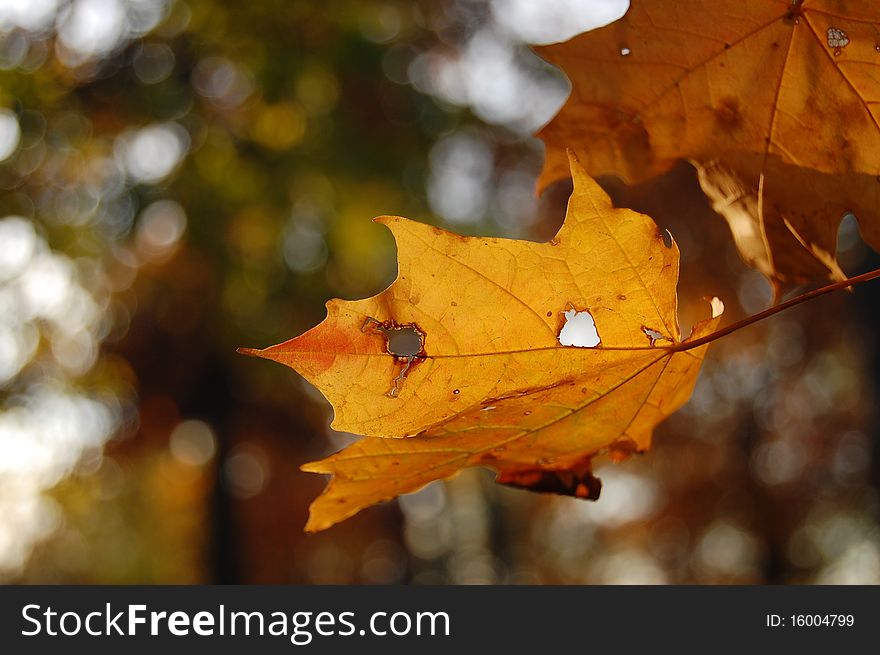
{"points": [[459, 361]]}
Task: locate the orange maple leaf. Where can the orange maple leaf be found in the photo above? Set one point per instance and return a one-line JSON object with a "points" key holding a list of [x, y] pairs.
{"points": [[777, 104], [459, 362]]}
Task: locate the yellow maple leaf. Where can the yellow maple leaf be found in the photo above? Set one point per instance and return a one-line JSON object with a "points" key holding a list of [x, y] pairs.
{"points": [[459, 362], [776, 102]]}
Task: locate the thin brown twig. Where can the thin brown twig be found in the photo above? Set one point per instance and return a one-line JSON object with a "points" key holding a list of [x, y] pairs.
{"points": [[760, 316]]}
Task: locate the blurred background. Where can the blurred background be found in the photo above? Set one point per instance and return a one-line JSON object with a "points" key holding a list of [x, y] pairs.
{"points": [[181, 177]]}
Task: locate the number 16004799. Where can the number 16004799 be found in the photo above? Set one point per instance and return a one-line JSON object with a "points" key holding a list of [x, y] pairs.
{"points": [[811, 620]]}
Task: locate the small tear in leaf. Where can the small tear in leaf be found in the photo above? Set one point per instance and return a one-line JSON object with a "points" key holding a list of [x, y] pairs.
{"points": [[489, 408], [579, 330], [654, 336], [717, 307], [398, 381]]}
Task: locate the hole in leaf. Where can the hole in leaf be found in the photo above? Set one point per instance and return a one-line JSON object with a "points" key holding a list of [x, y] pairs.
{"points": [[624, 52], [653, 335], [837, 39], [404, 341], [579, 330]]}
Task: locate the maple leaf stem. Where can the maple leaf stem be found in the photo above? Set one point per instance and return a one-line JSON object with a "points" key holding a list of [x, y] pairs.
{"points": [[767, 313]]}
